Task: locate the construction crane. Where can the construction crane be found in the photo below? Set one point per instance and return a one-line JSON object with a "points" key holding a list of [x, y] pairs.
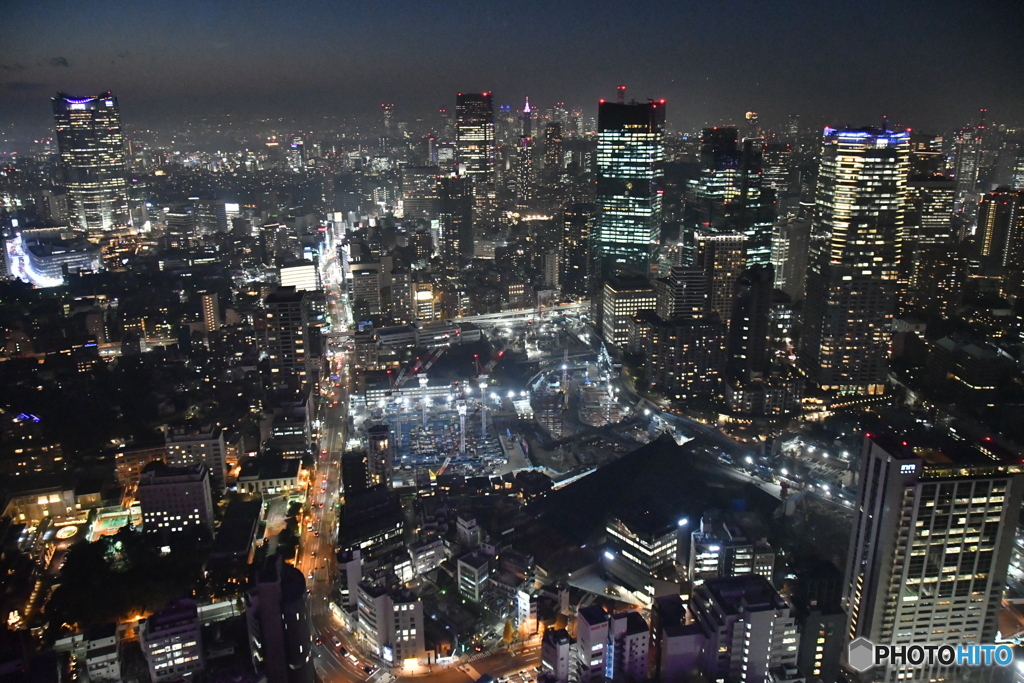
{"points": [[419, 367]]}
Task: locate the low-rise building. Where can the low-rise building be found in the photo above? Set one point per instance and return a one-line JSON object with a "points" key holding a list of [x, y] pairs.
{"points": [[473, 575], [175, 499], [172, 641]]}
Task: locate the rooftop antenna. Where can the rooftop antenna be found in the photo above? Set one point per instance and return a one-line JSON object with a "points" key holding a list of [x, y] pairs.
{"points": [[885, 122], [622, 94]]}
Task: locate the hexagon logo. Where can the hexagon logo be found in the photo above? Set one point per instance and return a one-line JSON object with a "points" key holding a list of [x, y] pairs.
{"points": [[860, 654]]}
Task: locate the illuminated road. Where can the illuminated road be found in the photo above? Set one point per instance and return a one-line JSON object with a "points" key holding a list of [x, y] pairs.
{"points": [[319, 530]]}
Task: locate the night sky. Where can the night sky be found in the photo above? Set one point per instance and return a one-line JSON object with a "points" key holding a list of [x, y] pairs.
{"points": [[930, 65]]}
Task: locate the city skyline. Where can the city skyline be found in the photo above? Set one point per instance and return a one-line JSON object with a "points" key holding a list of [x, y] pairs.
{"points": [[929, 70]]}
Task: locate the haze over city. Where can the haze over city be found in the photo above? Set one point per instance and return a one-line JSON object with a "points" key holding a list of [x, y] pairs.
{"points": [[515, 342]]}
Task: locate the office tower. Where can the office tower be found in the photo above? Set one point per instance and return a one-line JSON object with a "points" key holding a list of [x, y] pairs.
{"points": [[746, 628], [577, 226], [621, 297], [820, 620], [929, 216], [592, 644], [553, 155], [967, 152], [749, 322], [999, 239], [630, 153], [175, 499], [402, 308], [366, 288], [789, 255], [284, 338], [304, 277], [455, 238], [524, 162], [474, 140], [210, 216], [719, 548], [92, 155], [927, 158], [1017, 179], [940, 278], [277, 613], [792, 128], [172, 641], [297, 152], [683, 294], [777, 161], [186, 446], [643, 541], [718, 185], [211, 311], [930, 545], [390, 622], [420, 199], [856, 244], [722, 257], [388, 113], [556, 653]]}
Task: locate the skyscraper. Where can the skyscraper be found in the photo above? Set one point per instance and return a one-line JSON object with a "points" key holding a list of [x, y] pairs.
{"points": [[578, 222], [277, 612], [553, 156], [722, 257], [474, 142], [999, 242], [630, 152], [524, 178], [856, 242], [930, 545], [92, 155]]}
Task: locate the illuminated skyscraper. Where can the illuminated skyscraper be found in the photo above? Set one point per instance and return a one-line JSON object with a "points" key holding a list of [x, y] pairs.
{"points": [[856, 242], [524, 180], [1000, 239], [553, 158], [630, 152], [931, 542], [474, 141], [92, 155]]}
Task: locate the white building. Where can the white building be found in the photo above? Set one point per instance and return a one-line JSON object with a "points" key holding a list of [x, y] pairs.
{"points": [[103, 653], [172, 641], [592, 643], [174, 498], [426, 554], [390, 624], [556, 656], [747, 629], [190, 446]]}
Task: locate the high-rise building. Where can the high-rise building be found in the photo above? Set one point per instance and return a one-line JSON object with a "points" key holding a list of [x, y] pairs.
{"points": [[723, 257], [630, 153], [277, 613], [789, 255], [749, 322], [175, 499], [931, 543], [474, 140], [820, 620], [420, 199], [455, 238], [621, 298], [285, 334], [577, 226], [211, 311], [629, 645], [683, 294], [553, 155], [967, 152], [999, 240], [746, 628], [172, 642], [858, 237], [92, 154]]}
